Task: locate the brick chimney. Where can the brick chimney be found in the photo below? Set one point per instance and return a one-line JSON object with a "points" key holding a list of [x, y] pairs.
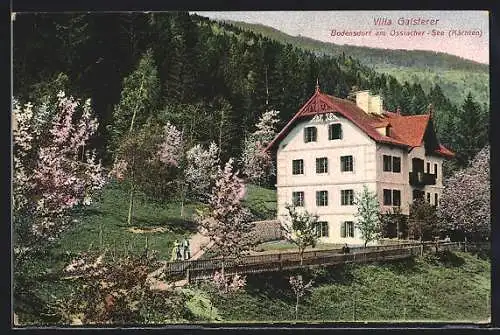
{"points": [[375, 104], [362, 100]]}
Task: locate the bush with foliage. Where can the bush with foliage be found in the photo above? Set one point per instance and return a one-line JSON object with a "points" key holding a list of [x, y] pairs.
{"points": [[117, 291]]}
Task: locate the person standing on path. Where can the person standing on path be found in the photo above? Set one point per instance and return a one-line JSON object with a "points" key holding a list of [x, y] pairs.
{"points": [[177, 251], [173, 257], [185, 247]]}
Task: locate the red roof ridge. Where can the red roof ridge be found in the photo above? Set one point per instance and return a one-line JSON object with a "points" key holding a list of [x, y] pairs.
{"points": [[406, 130]]}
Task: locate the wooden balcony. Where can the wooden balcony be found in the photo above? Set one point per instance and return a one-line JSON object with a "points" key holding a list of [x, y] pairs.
{"points": [[419, 178]]}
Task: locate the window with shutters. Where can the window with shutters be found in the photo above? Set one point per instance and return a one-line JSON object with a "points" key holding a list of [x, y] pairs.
{"points": [[335, 131], [347, 229], [428, 167], [436, 200], [347, 197], [310, 134], [436, 170], [346, 163], [298, 199], [322, 165], [298, 166], [321, 198], [428, 197], [322, 229]]}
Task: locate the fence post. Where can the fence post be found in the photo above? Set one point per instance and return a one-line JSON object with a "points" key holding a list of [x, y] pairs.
{"points": [[188, 277], [465, 244], [280, 262], [354, 308]]}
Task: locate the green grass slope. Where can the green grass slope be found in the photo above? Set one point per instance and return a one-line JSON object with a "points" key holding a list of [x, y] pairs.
{"points": [[261, 202], [451, 289]]}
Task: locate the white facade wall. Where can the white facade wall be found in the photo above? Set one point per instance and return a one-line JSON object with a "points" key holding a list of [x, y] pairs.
{"points": [[354, 142], [368, 170]]}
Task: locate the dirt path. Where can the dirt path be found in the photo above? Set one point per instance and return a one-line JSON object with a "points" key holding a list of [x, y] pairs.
{"points": [[198, 244]]}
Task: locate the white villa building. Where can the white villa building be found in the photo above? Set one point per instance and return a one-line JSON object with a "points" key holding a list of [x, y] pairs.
{"points": [[332, 147]]}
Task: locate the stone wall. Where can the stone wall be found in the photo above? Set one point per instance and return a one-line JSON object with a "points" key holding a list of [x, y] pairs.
{"points": [[268, 230]]}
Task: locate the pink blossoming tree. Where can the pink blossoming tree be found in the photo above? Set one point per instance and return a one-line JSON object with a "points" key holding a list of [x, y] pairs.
{"points": [[53, 169], [257, 164], [227, 222], [227, 284], [202, 170], [465, 202]]}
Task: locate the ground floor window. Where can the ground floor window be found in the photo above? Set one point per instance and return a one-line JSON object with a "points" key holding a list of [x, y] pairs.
{"points": [[347, 197], [298, 199], [322, 229], [347, 229]]}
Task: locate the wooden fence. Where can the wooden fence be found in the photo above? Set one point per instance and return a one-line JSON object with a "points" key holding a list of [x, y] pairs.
{"points": [[204, 268]]}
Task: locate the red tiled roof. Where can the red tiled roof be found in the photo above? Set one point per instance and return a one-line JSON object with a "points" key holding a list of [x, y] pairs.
{"points": [[406, 131]]}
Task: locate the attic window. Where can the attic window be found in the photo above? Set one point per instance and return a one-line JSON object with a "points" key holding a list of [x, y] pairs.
{"points": [[335, 131], [310, 134]]}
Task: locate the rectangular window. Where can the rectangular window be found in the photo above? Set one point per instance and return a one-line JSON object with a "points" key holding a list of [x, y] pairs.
{"points": [[346, 163], [387, 163], [298, 166], [310, 134], [428, 197], [347, 197], [436, 170], [387, 197], [335, 131], [298, 199], [347, 229], [436, 200], [322, 229], [428, 167], [322, 165], [396, 164], [396, 197], [321, 198]]}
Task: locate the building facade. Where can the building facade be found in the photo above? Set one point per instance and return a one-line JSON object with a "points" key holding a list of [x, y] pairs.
{"points": [[332, 147]]}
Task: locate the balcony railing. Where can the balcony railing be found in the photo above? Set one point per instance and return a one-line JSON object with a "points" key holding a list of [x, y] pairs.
{"points": [[419, 178]]}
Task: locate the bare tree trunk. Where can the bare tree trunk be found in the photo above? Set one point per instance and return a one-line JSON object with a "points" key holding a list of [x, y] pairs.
{"points": [[220, 133], [130, 204], [135, 109], [183, 196], [421, 246], [297, 308]]}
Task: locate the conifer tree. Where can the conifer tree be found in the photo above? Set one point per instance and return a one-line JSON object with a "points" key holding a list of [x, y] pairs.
{"points": [[139, 99], [470, 129]]}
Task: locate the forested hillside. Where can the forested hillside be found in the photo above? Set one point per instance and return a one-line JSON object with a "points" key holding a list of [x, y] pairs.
{"points": [[211, 79], [455, 75]]}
